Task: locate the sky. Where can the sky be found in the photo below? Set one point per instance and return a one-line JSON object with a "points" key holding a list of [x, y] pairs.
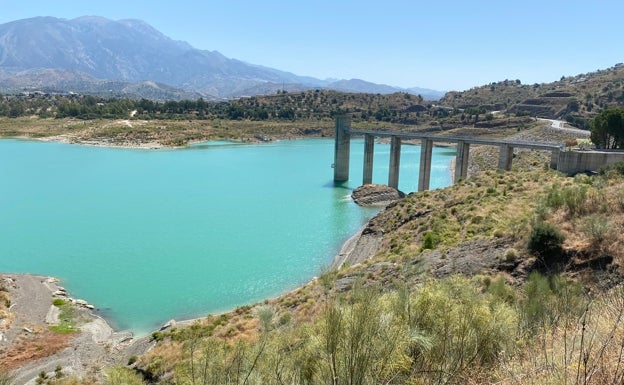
{"points": [[442, 45]]}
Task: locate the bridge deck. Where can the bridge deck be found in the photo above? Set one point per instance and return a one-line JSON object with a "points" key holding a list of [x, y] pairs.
{"points": [[457, 139]]}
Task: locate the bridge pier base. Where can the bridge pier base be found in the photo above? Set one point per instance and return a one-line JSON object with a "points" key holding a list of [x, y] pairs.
{"points": [[554, 159], [461, 161], [342, 148], [505, 158], [424, 173], [395, 162], [369, 149]]}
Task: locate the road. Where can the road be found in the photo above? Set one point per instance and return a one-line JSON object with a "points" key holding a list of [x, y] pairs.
{"points": [[560, 125]]}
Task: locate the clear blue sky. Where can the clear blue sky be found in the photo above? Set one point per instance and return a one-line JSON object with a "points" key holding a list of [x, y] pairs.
{"points": [[444, 45]]}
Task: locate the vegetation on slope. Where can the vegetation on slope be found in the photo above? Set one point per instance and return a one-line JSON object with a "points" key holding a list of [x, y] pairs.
{"points": [[388, 321], [575, 98]]}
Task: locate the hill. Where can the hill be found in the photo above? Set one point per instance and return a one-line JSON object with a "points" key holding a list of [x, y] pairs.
{"points": [[577, 98], [92, 50]]}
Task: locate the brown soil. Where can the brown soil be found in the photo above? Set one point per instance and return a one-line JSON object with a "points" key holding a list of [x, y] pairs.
{"points": [[34, 347]]}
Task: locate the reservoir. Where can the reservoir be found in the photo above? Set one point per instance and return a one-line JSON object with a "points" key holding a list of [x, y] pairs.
{"points": [[151, 235]]}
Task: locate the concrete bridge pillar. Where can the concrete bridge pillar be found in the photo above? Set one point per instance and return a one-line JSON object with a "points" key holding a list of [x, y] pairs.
{"points": [[554, 159], [395, 162], [506, 157], [424, 174], [369, 149], [461, 161], [342, 148]]}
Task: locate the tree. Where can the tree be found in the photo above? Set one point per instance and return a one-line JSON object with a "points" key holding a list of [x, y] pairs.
{"points": [[607, 129]]}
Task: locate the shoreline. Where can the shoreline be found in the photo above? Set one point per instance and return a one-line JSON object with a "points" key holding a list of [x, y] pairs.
{"points": [[354, 250], [28, 346]]}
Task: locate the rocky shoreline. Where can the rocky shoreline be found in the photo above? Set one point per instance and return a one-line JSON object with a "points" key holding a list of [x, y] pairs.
{"points": [[28, 347], [96, 344]]}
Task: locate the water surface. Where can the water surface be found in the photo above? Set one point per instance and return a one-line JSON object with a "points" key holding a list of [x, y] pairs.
{"points": [[150, 235]]}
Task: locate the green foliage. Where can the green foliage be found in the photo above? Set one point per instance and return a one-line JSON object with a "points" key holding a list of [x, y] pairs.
{"points": [[58, 302], [548, 302], [597, 227], [67, 318], [545, 241], [430, 240], [467, 327], [122, 376], [437, 333], [607, 129], [574, 198]]}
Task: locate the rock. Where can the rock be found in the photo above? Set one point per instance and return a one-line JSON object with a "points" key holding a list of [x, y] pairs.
{"points": [[168, 325], [27, 330], [52, 318], [89, 306], [81, 302], [376, 195], [60, 293]]}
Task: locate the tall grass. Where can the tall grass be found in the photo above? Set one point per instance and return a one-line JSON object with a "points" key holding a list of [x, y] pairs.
{"points": [[443, 332]]}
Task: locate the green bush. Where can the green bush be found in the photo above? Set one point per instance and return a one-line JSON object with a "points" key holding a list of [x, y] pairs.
{"points": [[430, 240], [122, 376], [545, 242], [58, 302], [466, 326], [574, 199], [597, 227]]}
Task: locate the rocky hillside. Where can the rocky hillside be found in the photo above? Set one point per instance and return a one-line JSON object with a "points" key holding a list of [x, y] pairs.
{"points": [[578, 97]]}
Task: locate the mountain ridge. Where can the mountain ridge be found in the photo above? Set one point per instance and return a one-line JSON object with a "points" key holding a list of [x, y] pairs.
{"points": [[132, 51]]}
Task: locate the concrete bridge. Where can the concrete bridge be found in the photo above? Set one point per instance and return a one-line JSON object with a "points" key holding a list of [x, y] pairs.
{"points": [[344, 132]]}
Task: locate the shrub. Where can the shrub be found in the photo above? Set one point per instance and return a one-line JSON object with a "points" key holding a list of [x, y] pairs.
{"points": [[545, 242], [430, 240], [574, 198], [466, 327], [597, 227], [58, 302], [122, 376]]}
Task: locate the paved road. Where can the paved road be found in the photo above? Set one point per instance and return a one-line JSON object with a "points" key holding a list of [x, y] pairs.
{"points": [[560, 125]]}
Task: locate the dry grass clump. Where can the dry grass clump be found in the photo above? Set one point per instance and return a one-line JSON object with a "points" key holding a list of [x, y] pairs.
{"points": [[587, 348], [6, 317], [589, 211]]}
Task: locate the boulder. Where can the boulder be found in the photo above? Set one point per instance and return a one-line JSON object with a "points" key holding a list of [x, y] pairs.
{"points": [[376, 195], [169, 325]]}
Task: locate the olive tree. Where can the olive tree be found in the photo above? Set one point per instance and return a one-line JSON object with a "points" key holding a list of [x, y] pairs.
{"points": [[607, 129]]}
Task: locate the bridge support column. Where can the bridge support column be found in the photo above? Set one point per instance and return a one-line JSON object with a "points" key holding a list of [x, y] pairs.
{"points": [[505, 158], [395, 162], [369, 150], [461, 161], [554, 159], [424, 174], [342, 148]]}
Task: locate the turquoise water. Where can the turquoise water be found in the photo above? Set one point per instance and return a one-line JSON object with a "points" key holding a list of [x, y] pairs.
{"points": [[150, 235]]}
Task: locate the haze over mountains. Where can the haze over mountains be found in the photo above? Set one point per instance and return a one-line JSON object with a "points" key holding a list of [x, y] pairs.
{"points": [[131, 58]]}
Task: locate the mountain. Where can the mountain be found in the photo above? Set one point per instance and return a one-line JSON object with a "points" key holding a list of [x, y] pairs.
{"points": [[90, 51]]}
